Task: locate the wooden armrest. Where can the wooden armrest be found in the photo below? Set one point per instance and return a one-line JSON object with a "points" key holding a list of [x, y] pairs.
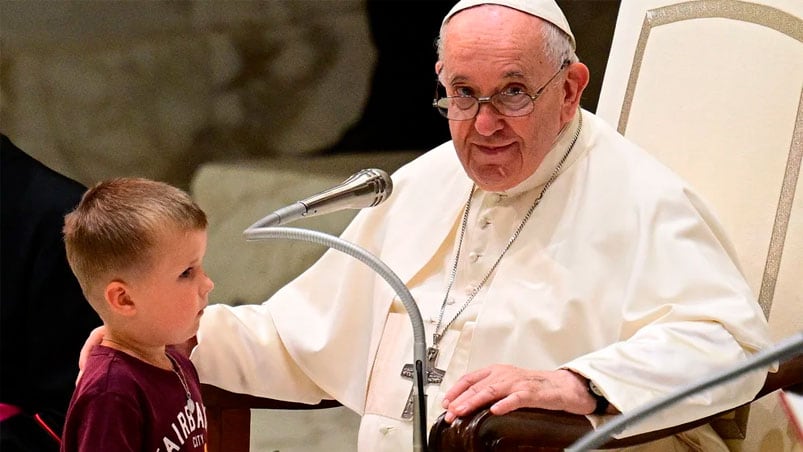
{"points": [[544, 430], [228, 416], [229, 422]]}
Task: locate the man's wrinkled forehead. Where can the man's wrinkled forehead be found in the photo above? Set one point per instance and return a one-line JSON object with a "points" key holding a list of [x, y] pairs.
{"points": [[547, 10]]}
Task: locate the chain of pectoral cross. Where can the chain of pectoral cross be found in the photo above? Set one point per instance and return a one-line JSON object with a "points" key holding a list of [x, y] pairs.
{"points": [[433, 374]]}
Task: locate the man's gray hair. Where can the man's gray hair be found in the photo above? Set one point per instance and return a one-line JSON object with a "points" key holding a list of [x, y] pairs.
{"points": [[557, 45]]}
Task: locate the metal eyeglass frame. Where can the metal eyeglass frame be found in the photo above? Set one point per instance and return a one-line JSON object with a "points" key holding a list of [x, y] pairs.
{"points": [[478, 101]]}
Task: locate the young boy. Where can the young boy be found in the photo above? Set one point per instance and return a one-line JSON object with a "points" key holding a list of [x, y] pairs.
{"points": [[137, 248]]}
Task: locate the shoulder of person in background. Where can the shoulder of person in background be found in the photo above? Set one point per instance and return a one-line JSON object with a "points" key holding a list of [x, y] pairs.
{"points": [[44, 317]]}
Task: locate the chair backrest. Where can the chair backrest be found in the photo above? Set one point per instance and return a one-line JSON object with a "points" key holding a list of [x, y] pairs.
{"points": [[714, 89]]}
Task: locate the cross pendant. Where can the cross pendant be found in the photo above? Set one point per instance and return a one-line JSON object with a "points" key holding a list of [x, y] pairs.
{"points": [[434, 375]]}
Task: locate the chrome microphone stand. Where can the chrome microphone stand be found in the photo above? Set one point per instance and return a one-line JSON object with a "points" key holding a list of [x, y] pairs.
{"points": [[258, 232], [785, 349]]}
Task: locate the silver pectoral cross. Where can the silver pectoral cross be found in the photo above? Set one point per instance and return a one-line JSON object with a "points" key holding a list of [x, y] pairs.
{"points": [[434, 375]]}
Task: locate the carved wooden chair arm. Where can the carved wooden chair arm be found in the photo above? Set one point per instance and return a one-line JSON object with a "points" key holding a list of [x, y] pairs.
{"points": [[229, 421], [228, 416], [544, 430]]}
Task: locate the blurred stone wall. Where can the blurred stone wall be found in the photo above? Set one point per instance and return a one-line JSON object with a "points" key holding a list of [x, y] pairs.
{"points": [[155, 88]]}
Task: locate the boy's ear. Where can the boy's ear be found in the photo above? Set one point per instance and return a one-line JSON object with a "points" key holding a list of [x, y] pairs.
{"points": [[118, 297]]}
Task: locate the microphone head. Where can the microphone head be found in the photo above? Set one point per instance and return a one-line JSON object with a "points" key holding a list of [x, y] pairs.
{"points": [[366, 188], [380, 182]]}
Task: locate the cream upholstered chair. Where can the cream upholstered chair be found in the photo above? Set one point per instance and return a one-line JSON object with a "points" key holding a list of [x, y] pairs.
{"points": [[713, 88]]}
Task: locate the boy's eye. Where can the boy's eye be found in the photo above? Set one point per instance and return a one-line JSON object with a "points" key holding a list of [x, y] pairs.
{"points": [[186, 273]]}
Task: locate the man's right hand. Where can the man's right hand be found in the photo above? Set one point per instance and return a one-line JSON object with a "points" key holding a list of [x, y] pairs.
{"points": [[95, 338]]}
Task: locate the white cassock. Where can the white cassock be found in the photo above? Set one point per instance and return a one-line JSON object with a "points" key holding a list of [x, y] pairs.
{"points": [[622, 274]]}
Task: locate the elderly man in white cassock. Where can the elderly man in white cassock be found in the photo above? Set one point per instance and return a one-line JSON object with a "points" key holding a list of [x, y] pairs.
{"points": [[546, 253]]}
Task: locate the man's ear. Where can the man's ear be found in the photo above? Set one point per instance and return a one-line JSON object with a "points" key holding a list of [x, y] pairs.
{"points": [[118, 298], [577, 76]]}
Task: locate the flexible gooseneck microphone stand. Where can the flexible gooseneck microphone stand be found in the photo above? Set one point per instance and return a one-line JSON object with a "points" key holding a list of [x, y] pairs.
{"points": [[785, 349], [255, 232]]}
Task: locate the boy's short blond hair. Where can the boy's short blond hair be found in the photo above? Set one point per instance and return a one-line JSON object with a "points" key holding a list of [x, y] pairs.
{"points": [[117, 223]]}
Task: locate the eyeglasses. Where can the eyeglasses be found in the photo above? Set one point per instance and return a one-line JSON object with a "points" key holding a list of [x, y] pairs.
{"points": [[507, 103]]}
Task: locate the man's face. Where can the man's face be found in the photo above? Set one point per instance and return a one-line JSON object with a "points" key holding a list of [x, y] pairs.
{"points": [[486, 50]]}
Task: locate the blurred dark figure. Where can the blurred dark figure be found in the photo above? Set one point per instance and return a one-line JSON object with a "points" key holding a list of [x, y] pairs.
{"points": [[399, 114], [44, 317]]}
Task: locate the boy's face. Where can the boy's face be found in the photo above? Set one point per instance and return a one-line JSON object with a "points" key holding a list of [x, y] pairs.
{"points": [[172, 292]]}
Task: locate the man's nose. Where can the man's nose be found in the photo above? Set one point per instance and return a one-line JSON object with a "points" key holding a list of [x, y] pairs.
{"points": [[488, 119]]}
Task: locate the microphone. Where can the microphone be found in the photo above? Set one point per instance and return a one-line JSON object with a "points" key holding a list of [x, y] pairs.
{"points": [[366, 188]]}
